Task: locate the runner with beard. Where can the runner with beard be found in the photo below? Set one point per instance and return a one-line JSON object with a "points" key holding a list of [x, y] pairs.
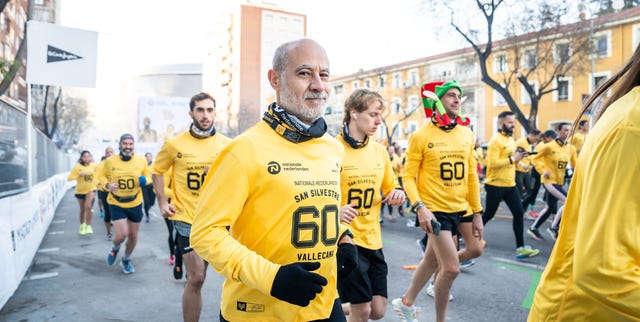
{"points": [[500, 183], [268, 219], [187, 158], [124, 175]]}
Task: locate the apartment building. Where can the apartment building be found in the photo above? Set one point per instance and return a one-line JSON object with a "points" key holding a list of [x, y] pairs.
{"points": [[236, 70], [614, 37]]}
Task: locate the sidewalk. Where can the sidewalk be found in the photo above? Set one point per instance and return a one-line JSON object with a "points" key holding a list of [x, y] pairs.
{"points": [[70, 280]]}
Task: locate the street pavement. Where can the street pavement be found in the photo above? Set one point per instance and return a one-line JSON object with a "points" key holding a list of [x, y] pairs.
{"points": [[70, 281]]}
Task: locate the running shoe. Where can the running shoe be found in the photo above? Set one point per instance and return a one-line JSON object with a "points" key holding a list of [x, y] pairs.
{"points": [[535, 234], [108, 237], [172, 260], [147, 219], [406, 313], [526, 251], [82, 230], [467, 264], [127, 266], [553, 232], [111, 257], [177, 272], [88, 230], [421, 245], [101, 214], [534, 214], [431, 291]]}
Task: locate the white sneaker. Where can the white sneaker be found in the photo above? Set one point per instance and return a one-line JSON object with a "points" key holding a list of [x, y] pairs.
{"points": [[406, 313], [431, 291]]}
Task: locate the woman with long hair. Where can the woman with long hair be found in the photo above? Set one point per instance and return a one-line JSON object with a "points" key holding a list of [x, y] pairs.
{"points": [[83, 173], [593, 272]]}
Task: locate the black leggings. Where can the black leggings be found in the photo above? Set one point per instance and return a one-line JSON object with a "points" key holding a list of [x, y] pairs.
{"points": [[530, 196], [102, 196], [173, 241], [512, 198]]}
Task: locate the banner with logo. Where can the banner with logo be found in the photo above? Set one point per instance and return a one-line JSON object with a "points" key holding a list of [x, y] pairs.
{"points": [[61, 56]]}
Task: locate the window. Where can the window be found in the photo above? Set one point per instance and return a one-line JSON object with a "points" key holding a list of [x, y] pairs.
{"points": [[500, 63], [635, 36], [397, 131], [498, 100], [525, 98], [602, 44], [381, 81], [367, 83], [599, 80], [529, 58], [338, 89], [413, 103], [382, 131], [562, 53], [412, 127], [396, 80], [563, 90], [396, 104], [413, 78], [355, 85]]}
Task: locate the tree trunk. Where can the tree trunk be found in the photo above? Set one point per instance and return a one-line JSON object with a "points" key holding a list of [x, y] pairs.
{"points": [[54, 127], [44, 112], [15, 66]]}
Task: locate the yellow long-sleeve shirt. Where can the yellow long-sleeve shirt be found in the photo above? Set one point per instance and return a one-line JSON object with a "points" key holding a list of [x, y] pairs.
{"points": [[84, 176], [126, 174], [281, 203], [366, 172], [445, 169], [593, 273], [524, 143], [554, 157], [577, 140], [501, 172], [190, 159]]}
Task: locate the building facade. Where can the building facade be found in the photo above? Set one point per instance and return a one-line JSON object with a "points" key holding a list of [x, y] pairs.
{"points": [[12, 28], [236, 70], [400, 85], [614, 36]]}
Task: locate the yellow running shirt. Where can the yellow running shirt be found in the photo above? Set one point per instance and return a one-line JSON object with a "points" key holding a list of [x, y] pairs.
{"points": [[85, 177], [445, 168], [365, 172], [281, 202], [191, 158], [593, 273]]}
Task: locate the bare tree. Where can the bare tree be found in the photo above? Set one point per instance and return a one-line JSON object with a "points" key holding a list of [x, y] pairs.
{"points": [[539, 47], [73, 120], [392, 126]]}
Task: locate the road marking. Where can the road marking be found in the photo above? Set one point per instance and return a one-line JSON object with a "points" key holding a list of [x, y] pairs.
{"points": [[48, 250], [33, 277], [59, 221], [55, 232], [388, 241], [531, 269]]}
